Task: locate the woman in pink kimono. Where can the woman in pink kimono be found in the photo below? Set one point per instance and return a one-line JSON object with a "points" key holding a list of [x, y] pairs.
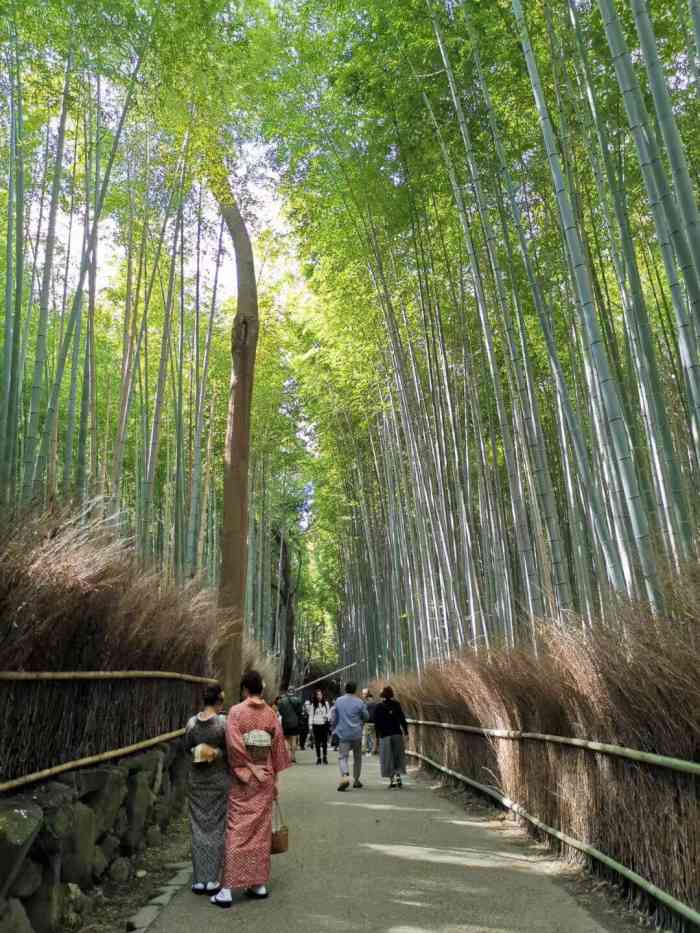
{"points": [[256, 754]]}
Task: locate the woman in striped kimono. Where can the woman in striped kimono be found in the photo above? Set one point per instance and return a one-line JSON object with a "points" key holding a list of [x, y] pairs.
{"points": [[208, 787], [256, 754]]}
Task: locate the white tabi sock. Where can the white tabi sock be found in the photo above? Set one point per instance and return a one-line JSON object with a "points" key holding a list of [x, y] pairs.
{"points": [[224, 896]]}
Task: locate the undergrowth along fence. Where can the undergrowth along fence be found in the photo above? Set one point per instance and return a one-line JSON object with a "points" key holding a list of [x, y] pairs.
{"points": [[589, 796]]}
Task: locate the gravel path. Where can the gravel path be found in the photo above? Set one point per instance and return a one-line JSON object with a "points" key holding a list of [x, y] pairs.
{"points": [[400, 861]]}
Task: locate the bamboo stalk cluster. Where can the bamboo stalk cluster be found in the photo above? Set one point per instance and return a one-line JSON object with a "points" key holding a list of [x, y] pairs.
{"points": [[520, 190]]}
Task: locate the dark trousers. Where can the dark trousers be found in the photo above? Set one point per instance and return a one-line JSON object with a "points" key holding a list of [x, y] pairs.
{"points": [[303, 735], [321, 741]]}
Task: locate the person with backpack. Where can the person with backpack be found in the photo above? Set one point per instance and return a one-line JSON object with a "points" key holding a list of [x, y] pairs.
{"points": [[289, 708], [319, 713]]}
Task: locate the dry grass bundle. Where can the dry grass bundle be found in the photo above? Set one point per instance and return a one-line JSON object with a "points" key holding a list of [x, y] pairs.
{"points": [[636, 685], [72, 598]]}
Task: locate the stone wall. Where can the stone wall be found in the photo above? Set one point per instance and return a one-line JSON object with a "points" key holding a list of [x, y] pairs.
{"points": [[59, 840]]}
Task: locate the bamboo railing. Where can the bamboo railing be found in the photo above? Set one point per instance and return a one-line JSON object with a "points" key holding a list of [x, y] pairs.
{"points": [[662, 896], [103, 675], [619, 751], [90, 760], [48, 676]]}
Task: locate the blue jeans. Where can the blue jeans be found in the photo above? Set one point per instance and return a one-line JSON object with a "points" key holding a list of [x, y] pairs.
{"points": [[369, 738]]}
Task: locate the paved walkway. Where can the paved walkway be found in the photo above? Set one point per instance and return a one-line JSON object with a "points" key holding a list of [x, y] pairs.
{"points": [[400, 861]]}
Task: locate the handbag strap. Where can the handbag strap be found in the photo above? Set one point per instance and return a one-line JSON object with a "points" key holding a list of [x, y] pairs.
{"points": [[278, 810]]}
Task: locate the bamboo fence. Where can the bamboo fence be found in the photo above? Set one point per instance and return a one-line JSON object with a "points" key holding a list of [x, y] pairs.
{"points": [[619, 751], [78, 713]]}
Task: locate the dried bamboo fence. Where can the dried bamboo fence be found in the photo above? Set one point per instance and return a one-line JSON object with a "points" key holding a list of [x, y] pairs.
{"points": [[556, 761], [55, 721]]}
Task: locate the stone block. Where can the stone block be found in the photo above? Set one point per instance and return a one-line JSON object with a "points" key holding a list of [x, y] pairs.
{"points": [[158, 776], [120, 870], [121, 824], [184, 876], [56, 800], [110, 847], [99, 863], [85, 781], [154, 837], [145, 762], [76, 902], [143, 919], [27, 880], [162, 900], [138, 804], [13, 917], [166, 788], [161, 813], [79, 851], [45, 907], [20, 822], [108, 799]]}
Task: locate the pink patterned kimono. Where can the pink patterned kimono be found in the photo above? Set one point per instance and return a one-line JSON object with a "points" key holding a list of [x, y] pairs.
{"points": [[250, 799]]}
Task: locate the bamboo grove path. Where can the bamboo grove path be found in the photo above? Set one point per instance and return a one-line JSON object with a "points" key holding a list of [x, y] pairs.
{"points": [[383, 861]]}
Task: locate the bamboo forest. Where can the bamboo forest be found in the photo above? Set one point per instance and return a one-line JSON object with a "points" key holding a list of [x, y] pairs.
{"points": [[477, 389], [358, 335]]}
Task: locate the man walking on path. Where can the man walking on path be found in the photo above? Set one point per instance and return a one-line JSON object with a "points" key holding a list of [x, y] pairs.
{"points": [[347, 719]]}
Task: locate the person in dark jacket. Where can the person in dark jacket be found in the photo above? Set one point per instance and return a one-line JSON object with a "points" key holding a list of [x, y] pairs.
{"points": [[391, 727], [289, 707]]}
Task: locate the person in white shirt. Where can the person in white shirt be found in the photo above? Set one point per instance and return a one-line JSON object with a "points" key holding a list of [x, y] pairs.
{"points": [[319, 722]]}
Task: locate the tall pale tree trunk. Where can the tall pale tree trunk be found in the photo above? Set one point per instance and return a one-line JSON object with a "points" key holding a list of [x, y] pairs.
{"points": [[244, 340]]}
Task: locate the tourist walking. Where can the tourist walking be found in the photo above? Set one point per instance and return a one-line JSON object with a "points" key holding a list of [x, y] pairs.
{"points": [[347, 719], [391, 726], [207, 790], [369, 736], [289, 707], [319, 713], [256, 754]]}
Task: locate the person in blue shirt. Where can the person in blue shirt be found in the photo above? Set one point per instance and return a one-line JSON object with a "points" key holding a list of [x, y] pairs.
{"points": [[348, 717]]}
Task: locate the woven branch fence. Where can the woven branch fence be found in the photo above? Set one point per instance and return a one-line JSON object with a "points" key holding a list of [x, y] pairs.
{"points": [[50, 719], [629, 813]]}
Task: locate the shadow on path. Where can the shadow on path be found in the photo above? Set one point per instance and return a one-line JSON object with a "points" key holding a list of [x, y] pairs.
{"points": [[404, 861]]}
